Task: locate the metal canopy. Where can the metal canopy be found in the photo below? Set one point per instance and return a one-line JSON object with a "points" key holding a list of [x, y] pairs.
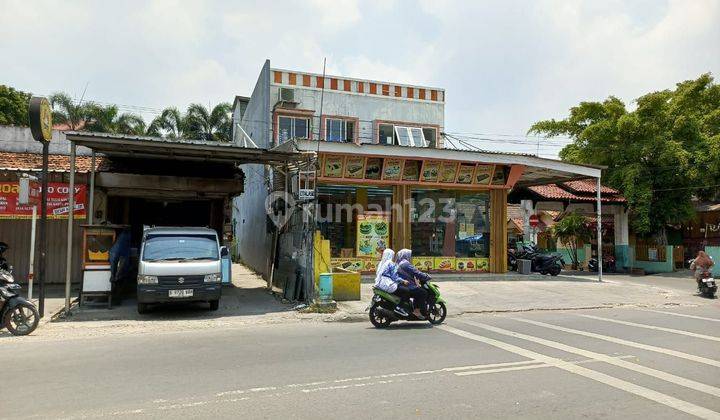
{"points": [[158, 148]]}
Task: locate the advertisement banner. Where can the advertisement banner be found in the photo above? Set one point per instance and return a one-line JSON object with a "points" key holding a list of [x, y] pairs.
{"points": [[373, 234], [57, 201]]}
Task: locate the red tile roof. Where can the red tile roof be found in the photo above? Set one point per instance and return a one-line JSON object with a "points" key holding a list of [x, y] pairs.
{"points": [[588, 186], [56, 163], [555, 192]]}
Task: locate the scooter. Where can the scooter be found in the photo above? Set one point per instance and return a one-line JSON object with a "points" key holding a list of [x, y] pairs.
{"points": [[609, 265], [382, 307], [707, 285], [17, 314], [542, 263]]}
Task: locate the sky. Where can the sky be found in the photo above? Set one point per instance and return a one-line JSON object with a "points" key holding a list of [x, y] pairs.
{"points": [[503, 64]]}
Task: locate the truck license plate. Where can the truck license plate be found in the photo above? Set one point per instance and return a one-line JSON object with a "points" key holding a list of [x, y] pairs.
{"points": [[180, 293]]}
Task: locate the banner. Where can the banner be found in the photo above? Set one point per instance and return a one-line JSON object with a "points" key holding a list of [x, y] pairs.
{"points": [[373, 234], [57, 201]]}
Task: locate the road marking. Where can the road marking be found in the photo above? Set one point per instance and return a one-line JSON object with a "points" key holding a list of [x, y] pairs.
{"points": [[669, 377], [682, 315], [620, 384], [653, 327], [531, 364], [648, 347]]}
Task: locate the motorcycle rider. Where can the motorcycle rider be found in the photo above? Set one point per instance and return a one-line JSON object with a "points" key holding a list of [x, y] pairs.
{"points": [[407, 271], [387, 279], [701, 264]]}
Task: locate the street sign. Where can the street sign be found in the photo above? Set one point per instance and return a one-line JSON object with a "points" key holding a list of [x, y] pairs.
{"points": [[40, 119], [306, 194], [534, 221]]}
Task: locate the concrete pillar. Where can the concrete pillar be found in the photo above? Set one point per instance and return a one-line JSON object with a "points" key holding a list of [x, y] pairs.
{"points": [[622, 239], [527, 209]]}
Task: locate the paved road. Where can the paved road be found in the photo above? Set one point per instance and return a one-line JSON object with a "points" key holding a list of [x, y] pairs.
{"points": [[610, 363]]}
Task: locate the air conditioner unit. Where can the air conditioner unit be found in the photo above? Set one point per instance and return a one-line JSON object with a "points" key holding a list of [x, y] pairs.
{"points": [[286, 95]]}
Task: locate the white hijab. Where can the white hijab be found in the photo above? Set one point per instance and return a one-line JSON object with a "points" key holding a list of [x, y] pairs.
{"points": [[387, 259]]}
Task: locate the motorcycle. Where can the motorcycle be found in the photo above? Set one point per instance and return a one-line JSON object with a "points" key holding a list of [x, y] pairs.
{"points": [[542, 263], [706, 285], [382, 307], [608, 264], [17, 314]]}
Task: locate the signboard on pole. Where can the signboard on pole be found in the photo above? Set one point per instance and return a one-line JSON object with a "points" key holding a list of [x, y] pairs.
{"points": [[11, 206], [534, 221]]}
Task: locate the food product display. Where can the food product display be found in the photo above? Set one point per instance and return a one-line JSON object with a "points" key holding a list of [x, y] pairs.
{"points": [[465, 174], [373, 167], [373, 234], [392, 169], [444, 263], [354, 167], [333, 166], [448, 171], [483, 174], [412, 170]]}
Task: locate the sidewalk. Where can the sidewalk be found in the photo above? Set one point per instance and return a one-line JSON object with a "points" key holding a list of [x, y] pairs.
{"points": [[510, 293]]}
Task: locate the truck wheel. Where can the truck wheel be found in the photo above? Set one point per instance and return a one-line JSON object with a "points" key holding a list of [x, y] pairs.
{"points": [[142, 308], [214, 305]]}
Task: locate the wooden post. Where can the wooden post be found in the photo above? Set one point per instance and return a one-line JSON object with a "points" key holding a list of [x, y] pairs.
{"points": [[498, 231]]}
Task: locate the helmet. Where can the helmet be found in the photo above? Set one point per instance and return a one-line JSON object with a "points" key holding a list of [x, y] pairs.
{"points": [[3, 247]]}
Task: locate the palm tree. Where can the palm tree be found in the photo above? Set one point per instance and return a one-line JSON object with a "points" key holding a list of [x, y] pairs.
{"points": [[170, 123], [107, 119], [213, 125], [66, 111]]}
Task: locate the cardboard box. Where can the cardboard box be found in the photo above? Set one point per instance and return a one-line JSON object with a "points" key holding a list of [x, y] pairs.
{"points": [[444, 263], [423, 263]]}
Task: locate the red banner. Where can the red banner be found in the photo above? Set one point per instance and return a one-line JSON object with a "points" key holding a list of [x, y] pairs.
{"points": [[57, 201]]}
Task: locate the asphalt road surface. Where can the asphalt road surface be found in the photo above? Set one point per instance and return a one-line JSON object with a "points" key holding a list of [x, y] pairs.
{"points": [[615, 363]]}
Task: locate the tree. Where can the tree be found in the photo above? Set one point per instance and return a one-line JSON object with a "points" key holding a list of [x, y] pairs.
{"points": [[571, 230], [13, 106], [107, 119], [209, 125], [170, 123], [658, 156], [66, 111]]}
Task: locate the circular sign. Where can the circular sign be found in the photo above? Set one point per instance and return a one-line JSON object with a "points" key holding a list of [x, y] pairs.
{"points": [[40, 119], [534, 221]]}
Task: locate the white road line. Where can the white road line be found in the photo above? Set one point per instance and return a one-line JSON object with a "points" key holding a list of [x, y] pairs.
{"points": [[682, 315], [653, 327], [620, 384], [533, 366], [647, 347], [677, 380]]}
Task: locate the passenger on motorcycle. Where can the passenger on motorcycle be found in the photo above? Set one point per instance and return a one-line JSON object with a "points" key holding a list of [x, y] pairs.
{"points": [[407, 271], [387, 279], [700, 265]]}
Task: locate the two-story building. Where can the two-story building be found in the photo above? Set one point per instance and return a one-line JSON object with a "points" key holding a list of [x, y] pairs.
{"points": [[385, 177]]}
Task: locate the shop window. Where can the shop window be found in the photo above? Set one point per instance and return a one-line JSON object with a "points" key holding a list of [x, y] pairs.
{"points": [[339, 130], [450, 223], [293, 128]]}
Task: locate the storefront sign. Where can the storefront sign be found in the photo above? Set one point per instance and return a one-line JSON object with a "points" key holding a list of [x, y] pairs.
{"points": [[465, 174], [373, 168], [40, 117], [411, 171], [373, 234], [448, 172], [57, 202], [355, 167], [431, 171], [333, 166], [392, 169], [483, 174]]}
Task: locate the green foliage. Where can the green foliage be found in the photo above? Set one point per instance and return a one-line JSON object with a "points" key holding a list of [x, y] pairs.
{"points": [[13, 106], [571, 230], [658, 156], [198, 123], [66, 111]]}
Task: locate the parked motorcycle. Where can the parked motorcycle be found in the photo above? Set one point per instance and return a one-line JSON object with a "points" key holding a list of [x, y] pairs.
{"points": [[609, 265], [382, 307], [17, 314], [541, 263]]}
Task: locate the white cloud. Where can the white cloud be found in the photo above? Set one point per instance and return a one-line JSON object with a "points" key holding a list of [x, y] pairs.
{"points": [[504, 64]]}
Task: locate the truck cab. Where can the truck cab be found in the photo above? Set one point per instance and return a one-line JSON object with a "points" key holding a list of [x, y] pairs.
{"points": [[179, 264]]}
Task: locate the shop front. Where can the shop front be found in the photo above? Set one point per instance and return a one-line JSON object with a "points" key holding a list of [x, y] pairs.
{"points": [[443, 210]]}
